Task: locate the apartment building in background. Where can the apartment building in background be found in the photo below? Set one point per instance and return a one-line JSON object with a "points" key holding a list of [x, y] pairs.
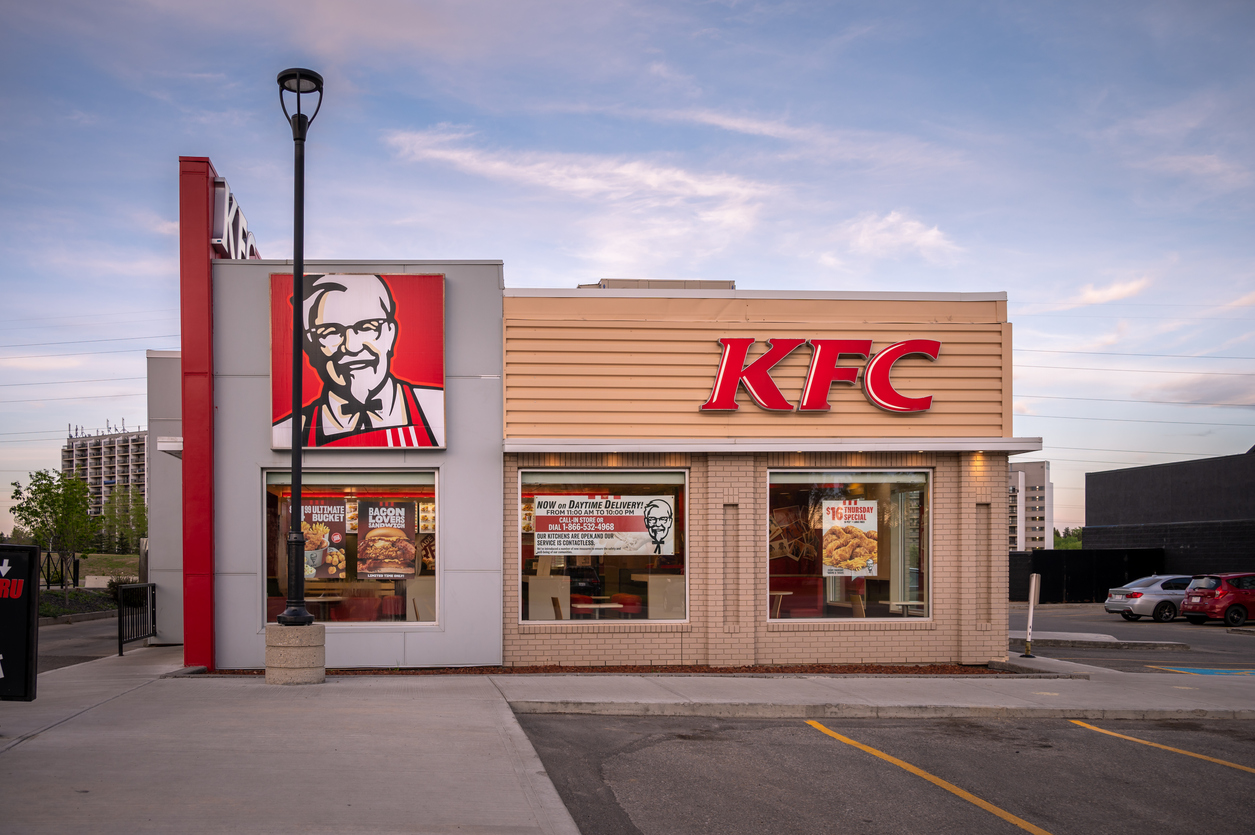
{"points": [[1031, 515], [107, 462]]}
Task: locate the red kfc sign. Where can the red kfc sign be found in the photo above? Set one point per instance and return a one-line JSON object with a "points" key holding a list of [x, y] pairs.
{"points": [[822, 373]]}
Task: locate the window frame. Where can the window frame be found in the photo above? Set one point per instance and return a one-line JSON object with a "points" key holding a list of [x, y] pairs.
{"points": [[930, 474], [436, 625], [609, 625]]}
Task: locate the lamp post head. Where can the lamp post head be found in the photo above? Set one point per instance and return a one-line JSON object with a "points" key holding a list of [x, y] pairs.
{"points": [[299, 82]]}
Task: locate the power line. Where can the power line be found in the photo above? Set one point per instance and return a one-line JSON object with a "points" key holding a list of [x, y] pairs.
{"points": [[1103, 461], [48, 431], [1121, 354], [1126, 304], [1135, 370], [100, 323], [1104, 449], [69, 382], [92, 315], [84, 397], [1155, 318], [1118, 400], [85, 353], [84, 341], [1137, 420]]}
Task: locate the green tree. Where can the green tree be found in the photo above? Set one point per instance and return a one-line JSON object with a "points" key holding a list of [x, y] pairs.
{"points": [[1069, 540], [139, 516], [54, 507], [114, 520], [20, 536]]}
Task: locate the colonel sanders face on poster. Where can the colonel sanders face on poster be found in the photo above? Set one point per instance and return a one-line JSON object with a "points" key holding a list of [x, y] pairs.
{"points": [[350, 332], [658, 520]]}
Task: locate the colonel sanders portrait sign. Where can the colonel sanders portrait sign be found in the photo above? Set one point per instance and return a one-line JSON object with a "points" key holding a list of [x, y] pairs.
{"points": [[374, 361]]}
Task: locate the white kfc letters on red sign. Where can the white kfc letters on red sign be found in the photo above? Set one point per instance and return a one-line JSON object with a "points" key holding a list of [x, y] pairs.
{"points": [[824, 370]]}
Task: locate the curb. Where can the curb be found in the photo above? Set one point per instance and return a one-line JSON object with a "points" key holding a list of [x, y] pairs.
{"points": [[1027, 671], [722, 710], [78, 618], [1018, 643], [1241, 630], [185, 672]]}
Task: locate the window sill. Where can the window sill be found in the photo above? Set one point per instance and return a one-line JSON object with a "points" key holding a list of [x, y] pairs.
{"points": [[885, 625], [566, 627]]}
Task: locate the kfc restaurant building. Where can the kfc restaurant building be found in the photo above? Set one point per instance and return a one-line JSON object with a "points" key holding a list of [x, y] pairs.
{"points": [[616, 474]]}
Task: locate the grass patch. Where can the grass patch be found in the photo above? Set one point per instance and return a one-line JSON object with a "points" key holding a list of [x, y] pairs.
{"points": [[109, 565], [52, 602]]}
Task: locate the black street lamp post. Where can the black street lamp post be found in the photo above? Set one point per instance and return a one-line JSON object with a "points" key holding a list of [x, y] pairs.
{"points": [[299, 82]]}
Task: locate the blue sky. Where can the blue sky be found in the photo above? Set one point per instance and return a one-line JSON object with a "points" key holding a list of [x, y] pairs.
{"points": [[1095, 161]]}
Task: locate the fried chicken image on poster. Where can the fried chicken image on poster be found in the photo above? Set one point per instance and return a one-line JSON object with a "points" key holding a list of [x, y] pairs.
{"points": [[373, 369], [385, 539], [851, 538]]}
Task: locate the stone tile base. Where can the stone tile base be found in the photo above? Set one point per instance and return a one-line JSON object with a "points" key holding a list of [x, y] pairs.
{"points": [[296, 654]]}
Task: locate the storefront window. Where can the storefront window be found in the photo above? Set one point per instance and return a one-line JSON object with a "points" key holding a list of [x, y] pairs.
{"points": [[603, 546], [370, 545], [847, 545]]}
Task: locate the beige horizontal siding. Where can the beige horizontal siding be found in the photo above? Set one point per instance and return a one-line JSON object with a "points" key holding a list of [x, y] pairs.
{"points": [[620, 368]]}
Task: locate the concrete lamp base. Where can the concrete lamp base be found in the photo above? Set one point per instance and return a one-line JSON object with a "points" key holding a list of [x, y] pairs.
{"points": [[296, 654]]}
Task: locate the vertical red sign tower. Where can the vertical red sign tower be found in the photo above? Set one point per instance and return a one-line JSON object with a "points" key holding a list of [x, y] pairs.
{"points": [[196, 255]]}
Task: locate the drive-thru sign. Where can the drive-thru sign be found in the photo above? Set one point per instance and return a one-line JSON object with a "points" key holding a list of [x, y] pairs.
{"points": [[19, 621]]}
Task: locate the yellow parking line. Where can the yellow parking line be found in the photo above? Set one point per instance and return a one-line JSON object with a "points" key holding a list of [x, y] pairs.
{"points": [[937, 781], [1170, 670], [1164, 747]]}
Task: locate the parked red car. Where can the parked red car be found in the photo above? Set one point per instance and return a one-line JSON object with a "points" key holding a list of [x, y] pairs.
{"points": [[1228, 597]]}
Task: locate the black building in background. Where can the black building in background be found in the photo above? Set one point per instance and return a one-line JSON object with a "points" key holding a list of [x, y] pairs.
{"points": [[1201, 513]]}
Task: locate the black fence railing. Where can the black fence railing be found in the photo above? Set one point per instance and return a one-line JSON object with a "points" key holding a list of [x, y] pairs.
{"points": [[137, 613]]}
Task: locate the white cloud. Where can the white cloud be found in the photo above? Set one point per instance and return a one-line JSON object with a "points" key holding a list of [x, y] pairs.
{"points": [[1202, 389], [634, 211], [893, 235], [1210, 169], [1111, 293], [1244, 301], [861, 147], [40, 363]]}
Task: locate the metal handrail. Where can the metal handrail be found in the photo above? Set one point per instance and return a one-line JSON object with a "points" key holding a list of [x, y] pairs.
{"points": [[136, 622]]}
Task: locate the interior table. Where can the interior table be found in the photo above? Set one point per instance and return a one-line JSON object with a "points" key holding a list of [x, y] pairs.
{"points": [[779, 600], [597, 607], [324, 604]]}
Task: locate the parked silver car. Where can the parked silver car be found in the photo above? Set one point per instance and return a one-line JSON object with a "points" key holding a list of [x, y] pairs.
{"points": [[1158, 596]]}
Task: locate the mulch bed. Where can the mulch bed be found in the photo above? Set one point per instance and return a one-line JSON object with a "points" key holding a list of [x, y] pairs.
{"points": [[554, 669], [82, 601]]}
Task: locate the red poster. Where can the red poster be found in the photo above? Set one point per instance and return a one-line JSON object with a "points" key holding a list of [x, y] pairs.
{"points": [[373, 364]]}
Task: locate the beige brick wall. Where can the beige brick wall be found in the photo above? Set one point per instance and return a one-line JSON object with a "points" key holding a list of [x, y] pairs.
{"points": [[727, 546]]}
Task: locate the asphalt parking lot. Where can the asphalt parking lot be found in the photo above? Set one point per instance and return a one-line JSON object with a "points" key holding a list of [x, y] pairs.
{"points": [[63, 644], [673, 776], [1212, 645]]}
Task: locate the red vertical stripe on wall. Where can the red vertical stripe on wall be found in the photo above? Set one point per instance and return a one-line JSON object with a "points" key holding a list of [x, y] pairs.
{"points": [[196, 204]]}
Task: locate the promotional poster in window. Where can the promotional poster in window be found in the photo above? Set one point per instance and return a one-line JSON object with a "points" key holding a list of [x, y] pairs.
{"points": [[373, 361], [850, 538], [385, 539], [324, 524], [576, 525]]}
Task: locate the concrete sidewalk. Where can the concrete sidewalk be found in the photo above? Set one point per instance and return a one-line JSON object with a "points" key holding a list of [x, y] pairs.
{"points": [[1088, 693], [112, 746], [1088, 640], [109, 746]]}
